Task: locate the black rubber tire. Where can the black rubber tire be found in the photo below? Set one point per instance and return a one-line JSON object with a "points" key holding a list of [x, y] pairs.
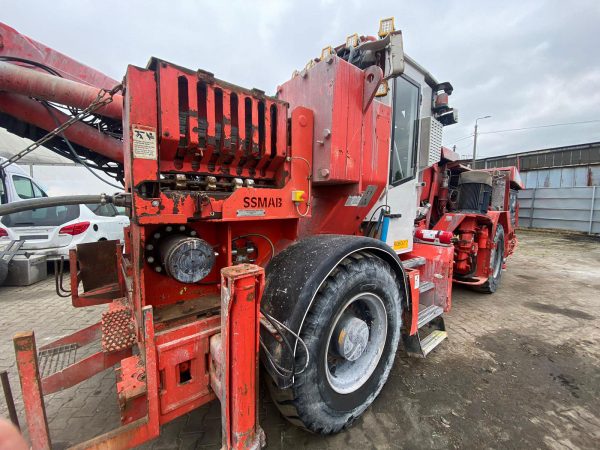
{"points": [[3, 272], [310, 402], [496, 262]]}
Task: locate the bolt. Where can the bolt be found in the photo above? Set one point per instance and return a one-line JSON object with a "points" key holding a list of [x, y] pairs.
{"points": [[155, 203], [324, 173]]}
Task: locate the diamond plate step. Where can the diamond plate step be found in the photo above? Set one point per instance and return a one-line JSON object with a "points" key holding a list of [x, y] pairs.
{"points": [[118, 331]]}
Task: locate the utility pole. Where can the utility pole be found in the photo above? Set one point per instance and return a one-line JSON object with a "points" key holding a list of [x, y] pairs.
{"points": [[475, 139]]}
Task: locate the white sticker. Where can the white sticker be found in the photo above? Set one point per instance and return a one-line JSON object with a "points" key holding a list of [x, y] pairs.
{"points": [[417, 281], [144, 142]]}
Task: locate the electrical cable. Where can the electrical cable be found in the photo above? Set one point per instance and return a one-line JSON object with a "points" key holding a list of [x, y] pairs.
{"points": [[283, 372], [309, 177], [278, 368], [298, 338], [369, 222], [258, 235], [39, 65], [72, 150]]}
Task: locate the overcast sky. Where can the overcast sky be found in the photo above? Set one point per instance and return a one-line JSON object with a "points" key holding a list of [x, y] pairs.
{"points": [[525, 63]]}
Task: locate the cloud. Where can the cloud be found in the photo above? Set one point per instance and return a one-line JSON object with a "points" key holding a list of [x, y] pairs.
{"points": [[525, 63]]}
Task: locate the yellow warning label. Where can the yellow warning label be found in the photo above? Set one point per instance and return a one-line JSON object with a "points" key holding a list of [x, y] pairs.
{"points": [[401, 244]]}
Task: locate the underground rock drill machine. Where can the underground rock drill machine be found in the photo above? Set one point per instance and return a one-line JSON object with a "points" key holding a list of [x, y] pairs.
{"points": [[306, 233]]}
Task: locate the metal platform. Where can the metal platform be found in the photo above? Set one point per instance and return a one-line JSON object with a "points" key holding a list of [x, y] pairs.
{"points": [[56, 359], [118, 330]]}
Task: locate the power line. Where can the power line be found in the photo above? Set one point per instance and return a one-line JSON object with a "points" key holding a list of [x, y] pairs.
{"points": [[527, 128], [463, 138], [539, 126]]}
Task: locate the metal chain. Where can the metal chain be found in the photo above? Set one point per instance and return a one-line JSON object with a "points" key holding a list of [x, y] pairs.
{"points": [[104, 98]]}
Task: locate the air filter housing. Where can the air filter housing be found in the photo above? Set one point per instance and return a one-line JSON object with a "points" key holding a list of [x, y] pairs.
{"points": [[474, 191]]}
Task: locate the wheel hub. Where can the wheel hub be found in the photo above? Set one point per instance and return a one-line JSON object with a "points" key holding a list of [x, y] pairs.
{"points": [[355, 342], [352, 338]]}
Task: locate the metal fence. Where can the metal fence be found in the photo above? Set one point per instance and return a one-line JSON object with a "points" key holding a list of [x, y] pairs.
{"points": [[567, 208]]}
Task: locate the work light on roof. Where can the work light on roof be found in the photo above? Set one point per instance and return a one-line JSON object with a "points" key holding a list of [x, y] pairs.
{"points": [[352, 40], [386, 26], [327, 51], [309, 64]]}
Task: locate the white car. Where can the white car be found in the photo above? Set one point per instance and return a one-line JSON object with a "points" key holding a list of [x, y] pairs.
{"points": [[54, 231]]}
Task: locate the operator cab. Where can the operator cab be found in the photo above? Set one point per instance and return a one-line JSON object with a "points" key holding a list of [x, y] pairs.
{"points": [[420, 111]]}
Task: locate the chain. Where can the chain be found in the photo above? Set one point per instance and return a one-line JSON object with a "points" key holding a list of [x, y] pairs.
{"points": [[104, 98]]}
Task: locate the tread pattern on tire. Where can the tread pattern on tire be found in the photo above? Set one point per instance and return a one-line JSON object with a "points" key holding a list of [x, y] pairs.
{"points": [[284, 398]]}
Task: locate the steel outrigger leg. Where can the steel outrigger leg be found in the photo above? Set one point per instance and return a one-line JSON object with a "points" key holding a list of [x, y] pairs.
{"points": [[31, 387], [234, 356]]}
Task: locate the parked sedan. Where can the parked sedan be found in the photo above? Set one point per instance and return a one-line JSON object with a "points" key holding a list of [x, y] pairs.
{"points": [[54, 231]]}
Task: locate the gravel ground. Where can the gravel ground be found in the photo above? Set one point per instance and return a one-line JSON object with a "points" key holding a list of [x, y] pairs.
{"points": [[520, 368]]}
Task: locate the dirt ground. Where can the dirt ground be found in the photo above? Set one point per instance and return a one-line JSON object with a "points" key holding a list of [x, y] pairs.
{"points": [[520, 369]]}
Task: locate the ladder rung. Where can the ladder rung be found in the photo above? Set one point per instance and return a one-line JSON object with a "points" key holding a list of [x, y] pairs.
{"points": [[434, 339], [428, 313], [414, 262], [426, 286]]}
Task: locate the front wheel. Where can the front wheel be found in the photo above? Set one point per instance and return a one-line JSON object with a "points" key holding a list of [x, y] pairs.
{"points": [[351, 331], [496, 262]]}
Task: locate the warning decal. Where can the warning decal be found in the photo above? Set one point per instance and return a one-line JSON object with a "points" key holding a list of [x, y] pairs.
{"points": [[144, 142]]}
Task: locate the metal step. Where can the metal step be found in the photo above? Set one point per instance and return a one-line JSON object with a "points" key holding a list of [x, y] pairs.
{"points": [[428, 313], [413, 263], [56, 359], [426, 286], [434, 339]]}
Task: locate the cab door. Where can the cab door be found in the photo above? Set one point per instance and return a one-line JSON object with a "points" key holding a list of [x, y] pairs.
{"points": [[403, 181]]}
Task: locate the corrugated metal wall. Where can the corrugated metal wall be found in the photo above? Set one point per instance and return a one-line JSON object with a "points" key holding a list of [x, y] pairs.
{"points": [[562, 177], [564, 208], [570, 155]]}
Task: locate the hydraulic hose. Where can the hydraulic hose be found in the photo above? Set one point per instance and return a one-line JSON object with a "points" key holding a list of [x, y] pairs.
{"points": [[46, 202]]}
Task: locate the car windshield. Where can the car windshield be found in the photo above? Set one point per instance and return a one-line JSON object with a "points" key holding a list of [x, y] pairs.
{"points": [[42, 217]]}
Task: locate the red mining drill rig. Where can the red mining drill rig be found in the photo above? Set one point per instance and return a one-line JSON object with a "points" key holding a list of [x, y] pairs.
{"points": [[303, 233]]}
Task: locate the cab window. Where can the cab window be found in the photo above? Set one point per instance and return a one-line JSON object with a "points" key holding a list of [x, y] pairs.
{"points": [[405, 129]]}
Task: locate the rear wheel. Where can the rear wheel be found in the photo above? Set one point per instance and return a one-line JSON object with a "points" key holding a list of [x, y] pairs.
{"points": [[351, 332], [496, 262]]}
